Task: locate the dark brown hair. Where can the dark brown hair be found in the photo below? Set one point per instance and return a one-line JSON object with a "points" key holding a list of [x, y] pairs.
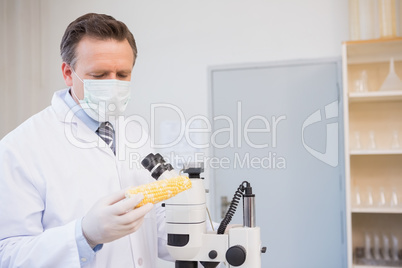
{"points": [[99, 26]]}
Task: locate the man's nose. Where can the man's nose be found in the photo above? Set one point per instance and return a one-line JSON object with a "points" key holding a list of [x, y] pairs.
{"points": [[112, 76]]}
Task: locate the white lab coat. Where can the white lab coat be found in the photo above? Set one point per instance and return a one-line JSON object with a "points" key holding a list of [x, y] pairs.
{"points": [[47, 183]]}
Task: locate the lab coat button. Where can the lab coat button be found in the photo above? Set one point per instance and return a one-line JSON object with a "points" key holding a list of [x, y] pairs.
{"points": [[140, 261], [83, 259]]}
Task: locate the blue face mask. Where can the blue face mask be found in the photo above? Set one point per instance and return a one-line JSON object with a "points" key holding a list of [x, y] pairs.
{"points": [[104, 97]]}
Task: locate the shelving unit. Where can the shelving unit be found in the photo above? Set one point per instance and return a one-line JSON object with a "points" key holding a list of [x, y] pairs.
{"points": [[365, 266], [373, 162], [386, 210], [376, 96], [374, 152]]}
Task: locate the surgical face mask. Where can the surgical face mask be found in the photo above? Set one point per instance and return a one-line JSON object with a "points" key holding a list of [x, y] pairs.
{"points": [[104, 98]]}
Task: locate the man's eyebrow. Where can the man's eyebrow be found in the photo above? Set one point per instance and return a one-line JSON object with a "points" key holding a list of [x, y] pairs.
{"points": [[108, 71]]}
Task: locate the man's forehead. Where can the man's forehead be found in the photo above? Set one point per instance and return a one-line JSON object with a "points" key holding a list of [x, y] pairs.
{"points": [[109, 51]]}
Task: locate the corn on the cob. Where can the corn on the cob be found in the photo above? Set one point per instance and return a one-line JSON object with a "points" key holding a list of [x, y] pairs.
{"points": [[160, 190]]}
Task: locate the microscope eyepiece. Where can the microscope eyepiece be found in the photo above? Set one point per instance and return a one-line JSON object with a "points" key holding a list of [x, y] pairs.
{"points": [[156, 165], [159, 158], [149, 162]]}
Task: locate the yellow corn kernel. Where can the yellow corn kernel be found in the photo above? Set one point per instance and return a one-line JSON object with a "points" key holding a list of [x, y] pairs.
{"points": [[158, 191]]}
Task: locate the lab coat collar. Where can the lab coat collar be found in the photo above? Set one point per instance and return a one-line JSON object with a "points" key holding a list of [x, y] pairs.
{"points": [[75, 129], [72, 123], [79, 112]]}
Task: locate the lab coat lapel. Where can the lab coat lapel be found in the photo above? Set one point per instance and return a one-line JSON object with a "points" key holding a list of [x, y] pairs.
{"points": [[75, 130]]}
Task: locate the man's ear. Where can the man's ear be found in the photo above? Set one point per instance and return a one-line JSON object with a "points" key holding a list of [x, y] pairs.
{"points": [[67, 74]]}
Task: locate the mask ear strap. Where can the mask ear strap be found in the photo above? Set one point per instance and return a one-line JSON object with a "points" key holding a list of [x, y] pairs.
{"points": [[76, 74], [72, 90]]}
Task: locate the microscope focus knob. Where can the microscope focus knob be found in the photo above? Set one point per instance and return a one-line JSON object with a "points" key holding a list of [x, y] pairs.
{"points": [[236, 255], [213, 254]]}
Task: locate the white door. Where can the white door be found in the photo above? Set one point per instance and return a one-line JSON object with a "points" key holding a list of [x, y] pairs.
{"points": [[279, 127]]}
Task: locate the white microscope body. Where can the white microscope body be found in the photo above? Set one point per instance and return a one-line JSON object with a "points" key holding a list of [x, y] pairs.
{"points": [[186, 224]]}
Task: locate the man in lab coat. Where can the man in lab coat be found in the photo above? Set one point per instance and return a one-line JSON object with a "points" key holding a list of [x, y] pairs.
{"points": [[63, 172]]}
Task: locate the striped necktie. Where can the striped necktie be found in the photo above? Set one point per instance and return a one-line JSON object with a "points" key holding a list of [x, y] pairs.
{"points": [[106, 132]]}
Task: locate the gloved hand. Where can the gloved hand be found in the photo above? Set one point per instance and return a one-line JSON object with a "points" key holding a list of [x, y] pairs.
{"points": [[113, 217]]}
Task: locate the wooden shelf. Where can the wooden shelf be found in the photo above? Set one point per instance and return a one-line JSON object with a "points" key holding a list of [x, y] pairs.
{"points": [[376, 50], [376, 152], [372, 41], [375, 96], [386, 210], [368, 266]]}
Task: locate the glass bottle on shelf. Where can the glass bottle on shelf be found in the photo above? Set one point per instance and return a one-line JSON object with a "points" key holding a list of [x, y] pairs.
{"points": [[385, 248], [381, 197], [376, 248], [370, 199], [372, 144], [357, 144], [394, 198], [363, 81], [395, 248], [367, 247], [361, 84], [395, 140], [357, 198]]}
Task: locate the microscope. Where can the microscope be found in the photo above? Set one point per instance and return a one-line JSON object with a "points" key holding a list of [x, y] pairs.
{"points": [[188, 241]]}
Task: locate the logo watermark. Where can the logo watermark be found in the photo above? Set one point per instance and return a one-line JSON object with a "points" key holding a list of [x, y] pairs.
{"points": [[330, 156], [269, 161], [134, 132]]}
